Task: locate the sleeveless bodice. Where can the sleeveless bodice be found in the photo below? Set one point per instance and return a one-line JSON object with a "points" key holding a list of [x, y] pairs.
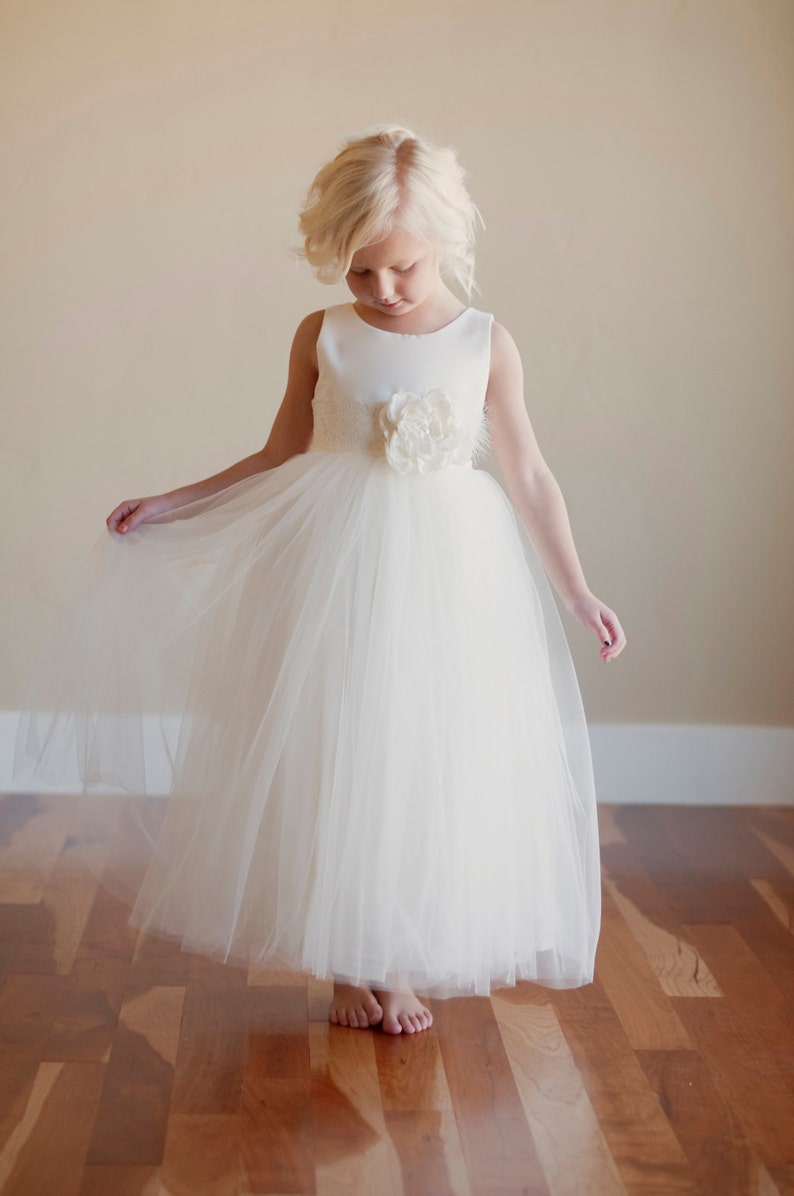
{"points": [[417, 400]]}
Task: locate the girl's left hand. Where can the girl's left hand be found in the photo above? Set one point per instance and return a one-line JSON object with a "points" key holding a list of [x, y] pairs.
{"points": [[593, 613]]}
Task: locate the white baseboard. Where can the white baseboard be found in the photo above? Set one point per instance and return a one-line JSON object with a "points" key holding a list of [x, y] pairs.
{"points": [[634, 763], [693, 765]]}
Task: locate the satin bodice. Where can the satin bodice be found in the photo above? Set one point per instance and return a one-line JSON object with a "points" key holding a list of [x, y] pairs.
{"points": [[430, 384]]}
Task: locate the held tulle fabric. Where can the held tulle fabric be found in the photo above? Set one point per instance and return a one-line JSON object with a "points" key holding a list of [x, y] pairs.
{"points": [[327, 719]]}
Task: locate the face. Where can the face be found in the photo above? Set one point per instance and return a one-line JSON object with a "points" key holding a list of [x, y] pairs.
{"points": [[396, 275]]}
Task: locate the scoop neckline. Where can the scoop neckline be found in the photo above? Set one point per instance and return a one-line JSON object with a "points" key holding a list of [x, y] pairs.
{"points": [[388, 332]]}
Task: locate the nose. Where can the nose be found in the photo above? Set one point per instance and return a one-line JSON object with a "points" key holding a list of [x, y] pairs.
{"points": [[381, 289]]}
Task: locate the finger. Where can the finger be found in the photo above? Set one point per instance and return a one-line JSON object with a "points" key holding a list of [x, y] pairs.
{"points": [[116, 517], [605, 633], [618, 636], [609, 629], [131, 521], [617, 643]]}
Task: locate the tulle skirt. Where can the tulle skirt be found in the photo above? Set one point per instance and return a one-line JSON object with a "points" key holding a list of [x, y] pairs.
{"points": [[327, 719]]}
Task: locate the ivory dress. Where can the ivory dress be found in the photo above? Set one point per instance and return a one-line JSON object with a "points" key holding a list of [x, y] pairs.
{"points": [[337, 700]]}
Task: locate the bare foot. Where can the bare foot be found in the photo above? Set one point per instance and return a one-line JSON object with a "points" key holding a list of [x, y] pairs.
{"points": [[403, 1012], [355, 1007]]}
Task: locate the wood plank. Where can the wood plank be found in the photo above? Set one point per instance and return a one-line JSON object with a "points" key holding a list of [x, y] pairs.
{"points": [[760, 925], [318, 994], [637, 1132], [637, 996], [108, 1180], [418, 1137], [68, 897], [413, 1082], [201, 1155], [28, 1004], [276, 1136], [130, 1128], [724, 866], [277, 1033], [609, 831], [674, 961], [717, 858], [660, 838], [107, 930], [209, 1066], [87, 1014], [714, 840], [33, 830], [773, 828], [572, 1148], [353, 1152], [17, 924], [766, 1010], [157, 961], [411, 1071], [500, 1153], [35, 950], [17, 1077], [749, 1078], [273, 977], [47, 1150], [779, 898], [17, 811], [276, 1125], [715, 1143]]}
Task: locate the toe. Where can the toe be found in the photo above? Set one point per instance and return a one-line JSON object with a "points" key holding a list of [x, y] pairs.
{"points": [[391, 1024], [406, 1023], [376, 1015]]}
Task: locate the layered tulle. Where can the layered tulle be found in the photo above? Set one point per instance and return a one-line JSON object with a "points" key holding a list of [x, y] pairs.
{"points": [[338, 713]]}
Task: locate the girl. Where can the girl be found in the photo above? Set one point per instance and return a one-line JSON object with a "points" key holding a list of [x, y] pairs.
{"points": [[378, 762]]}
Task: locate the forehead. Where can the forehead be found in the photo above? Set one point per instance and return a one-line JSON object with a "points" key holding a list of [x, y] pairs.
{"points": [[398, 246]]}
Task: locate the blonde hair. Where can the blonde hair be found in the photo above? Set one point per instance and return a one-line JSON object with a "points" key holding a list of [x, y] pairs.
{"points": [[389, 178]]}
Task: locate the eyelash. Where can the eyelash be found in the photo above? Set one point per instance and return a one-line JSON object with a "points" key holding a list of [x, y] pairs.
{"points": [[361, 273]]}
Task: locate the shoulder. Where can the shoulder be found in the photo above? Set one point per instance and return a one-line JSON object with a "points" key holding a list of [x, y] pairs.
{"points": [[309, 327], [304, 342], [505, 357]]}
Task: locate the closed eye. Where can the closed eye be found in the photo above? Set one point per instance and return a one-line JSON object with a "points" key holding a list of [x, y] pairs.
{"points": [[397, 270]]}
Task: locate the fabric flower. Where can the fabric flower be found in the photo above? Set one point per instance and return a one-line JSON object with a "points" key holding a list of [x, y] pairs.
{"points": [[423, 432]]}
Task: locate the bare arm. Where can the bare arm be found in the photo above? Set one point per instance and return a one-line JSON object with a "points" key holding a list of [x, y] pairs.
{"points": [[536, 494], [290, 434]]}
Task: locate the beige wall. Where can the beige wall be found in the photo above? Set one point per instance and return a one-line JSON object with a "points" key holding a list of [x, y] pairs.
{"points": [[633, 161]]}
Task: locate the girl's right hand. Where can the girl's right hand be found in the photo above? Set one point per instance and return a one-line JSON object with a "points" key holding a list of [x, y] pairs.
{"points": [[134, 511]]}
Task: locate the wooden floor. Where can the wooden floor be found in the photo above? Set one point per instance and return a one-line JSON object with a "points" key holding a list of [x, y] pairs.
{"points": [[129, 1067]]}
